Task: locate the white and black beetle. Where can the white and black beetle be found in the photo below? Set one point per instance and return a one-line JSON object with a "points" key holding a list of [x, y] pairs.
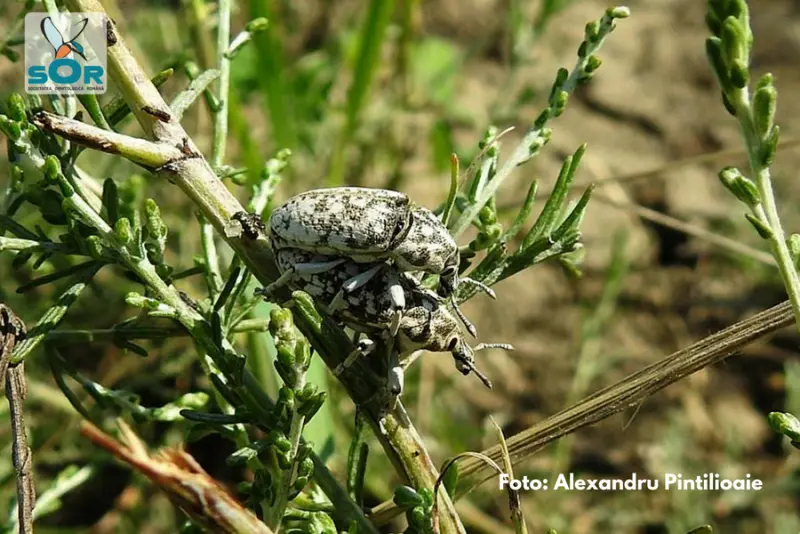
{"points": [[368, 226], [425, 323]]}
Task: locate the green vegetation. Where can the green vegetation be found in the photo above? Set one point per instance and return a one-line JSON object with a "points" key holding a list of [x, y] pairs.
{"points": [[145, 332]]}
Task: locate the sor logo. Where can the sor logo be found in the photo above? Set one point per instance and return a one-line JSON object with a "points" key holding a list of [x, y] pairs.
{"points": [[65, 53]]}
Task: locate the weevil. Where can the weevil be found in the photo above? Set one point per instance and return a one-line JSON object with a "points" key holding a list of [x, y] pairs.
{"points": [[368, 226], [372, 307]]}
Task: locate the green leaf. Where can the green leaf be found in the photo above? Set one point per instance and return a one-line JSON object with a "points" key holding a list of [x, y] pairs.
{"points": [[357, 467], [734, 42], [769, 147], [230, 283], [739, 74], [785, 423], [763, 230], [442, 145], [92, 106], [84, 267], [524, 213], [450, 481], [573, 220], [716, 59], [406, 497], [305, 306], [16, 107], [111, 201], [549, 216], [742, 188], [765, 103]]}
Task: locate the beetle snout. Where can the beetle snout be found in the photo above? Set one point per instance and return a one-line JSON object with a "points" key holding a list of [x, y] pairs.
{"points": [[464, 359]]}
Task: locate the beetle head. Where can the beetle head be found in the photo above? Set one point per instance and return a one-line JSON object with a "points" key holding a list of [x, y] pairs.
{"points": [[428, 245], [464, 356]]}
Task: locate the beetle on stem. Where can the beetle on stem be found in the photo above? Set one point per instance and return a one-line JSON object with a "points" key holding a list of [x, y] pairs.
{"points": [[371, 226], [371, 307]]}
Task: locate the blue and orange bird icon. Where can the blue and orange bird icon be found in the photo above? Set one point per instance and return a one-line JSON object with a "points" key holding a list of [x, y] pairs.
{"points": [[56, 40]]}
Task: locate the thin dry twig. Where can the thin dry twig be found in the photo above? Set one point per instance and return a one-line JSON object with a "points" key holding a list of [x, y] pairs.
{"points": [[700, 159], [12, 330], [184, 481], [687, 228], [635, 388]]}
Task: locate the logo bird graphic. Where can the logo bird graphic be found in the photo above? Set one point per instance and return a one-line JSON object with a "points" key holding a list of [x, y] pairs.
{"points": [[56, 40]]}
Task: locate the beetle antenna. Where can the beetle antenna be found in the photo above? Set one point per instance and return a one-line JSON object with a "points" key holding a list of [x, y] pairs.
{"points": [[504, 346], [471, 366], [480, 285], [467, 323]]}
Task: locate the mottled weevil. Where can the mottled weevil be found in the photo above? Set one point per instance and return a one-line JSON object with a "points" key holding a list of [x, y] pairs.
{"points": [[371, 225], [425, 322]]}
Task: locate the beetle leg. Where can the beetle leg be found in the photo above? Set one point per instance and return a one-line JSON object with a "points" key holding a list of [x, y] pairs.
{"points": [[469, 366], [317, 267], [364, 347], [282, 280], [504, 346], [300, 269], [465, 360], [352, 284], [396, 379], [469, 362], [397, 296]]}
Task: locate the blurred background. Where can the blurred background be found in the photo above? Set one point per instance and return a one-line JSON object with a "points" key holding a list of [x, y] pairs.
{"points": [[669, 256]]}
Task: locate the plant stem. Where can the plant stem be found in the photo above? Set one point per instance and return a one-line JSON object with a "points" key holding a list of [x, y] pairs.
{"points": [[141, 151], [219, 139], [187, 97], [274, 515], [29, 245], [418, 465], [767, 211], [213, 274], [534, 138], [109, 335], [224, 66], [12, 378]]}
